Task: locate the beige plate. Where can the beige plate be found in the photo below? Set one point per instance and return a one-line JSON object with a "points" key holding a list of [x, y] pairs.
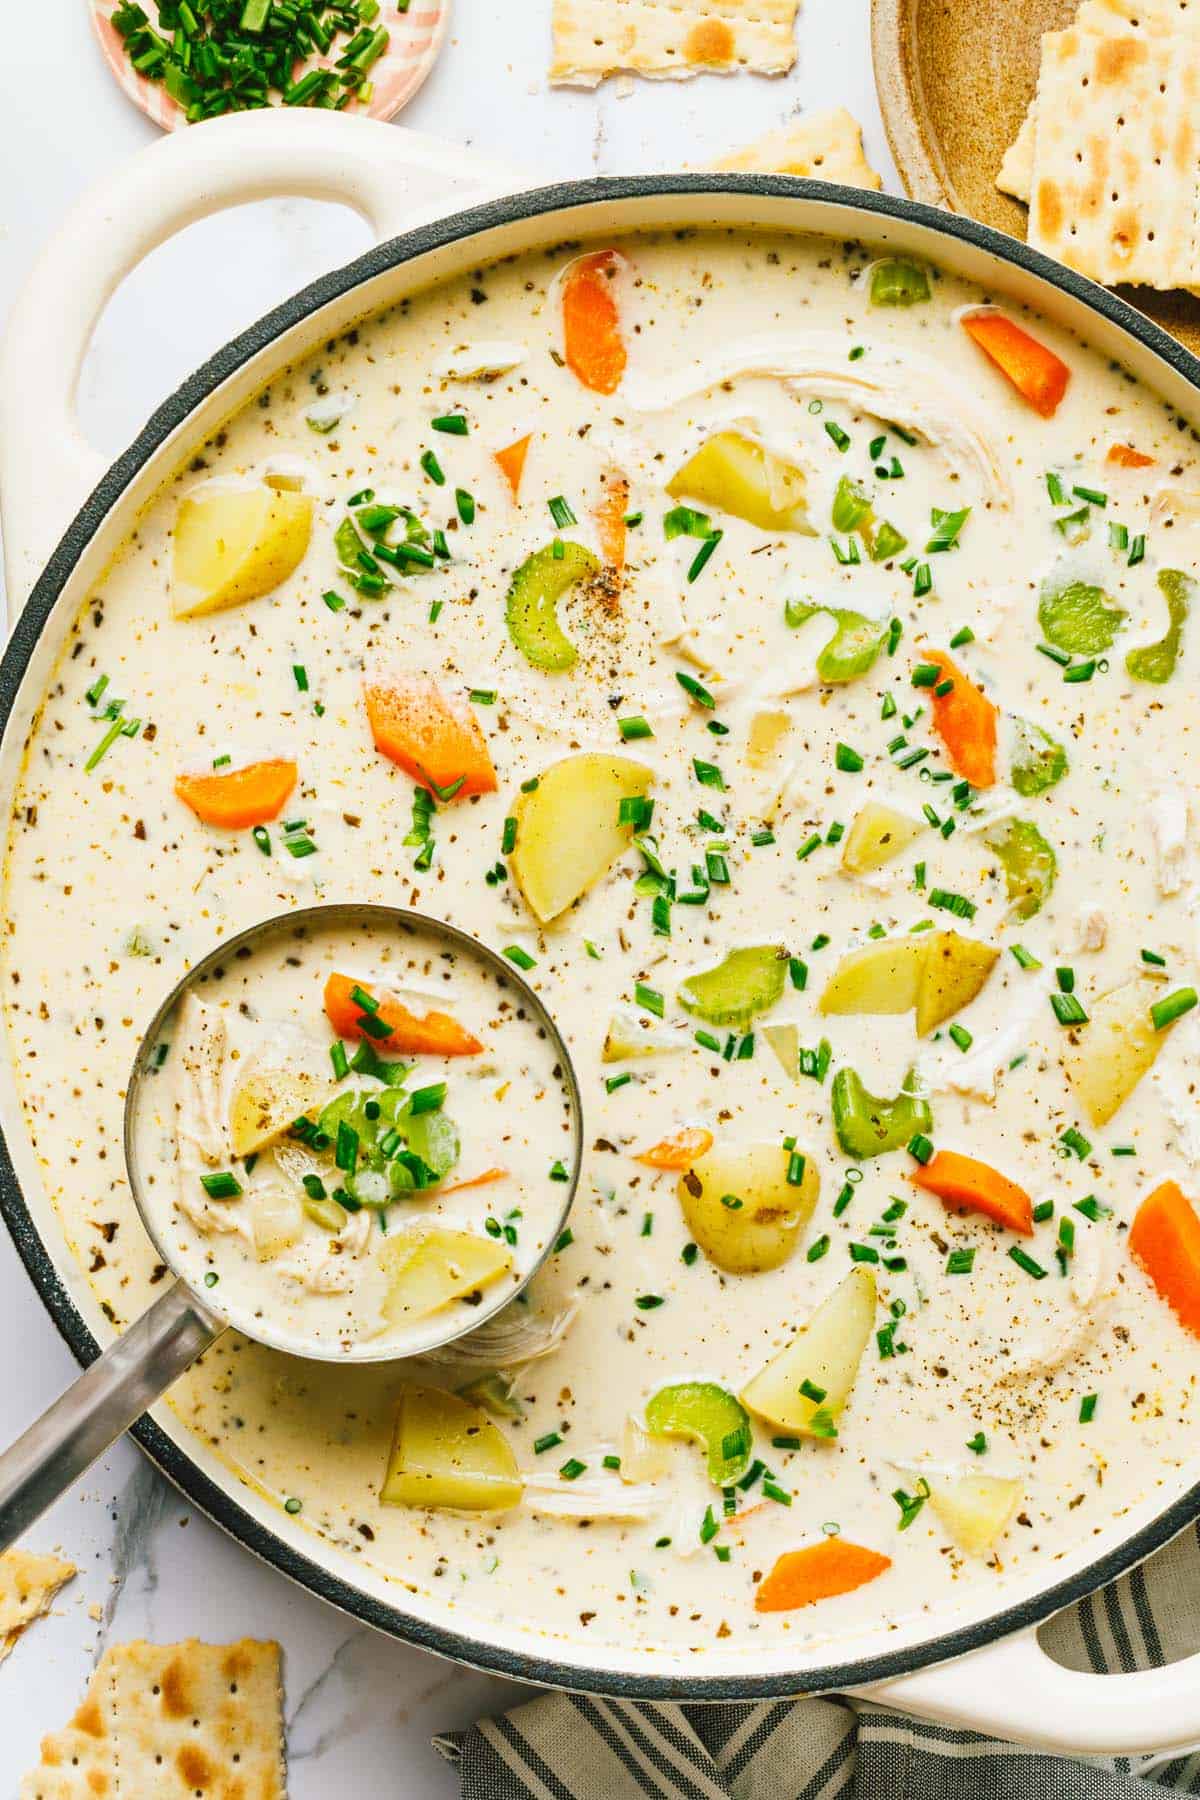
{"points": [[954, 80]]}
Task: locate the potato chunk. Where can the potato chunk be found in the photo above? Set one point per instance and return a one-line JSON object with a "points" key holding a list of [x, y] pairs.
{"points": [[271, 1094], [1115, 1049], [877, 835], [974, 1508], [428, 1266], [276, 1222], [738, 476], [446, 1452], [883, 977], [955, 970], [741, 1208], [234, 544], [569, 829], [822, 1359]]}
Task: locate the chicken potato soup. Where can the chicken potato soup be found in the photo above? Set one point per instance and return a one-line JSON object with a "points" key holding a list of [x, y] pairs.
{"points": [[337, 1157], [783, 654]]}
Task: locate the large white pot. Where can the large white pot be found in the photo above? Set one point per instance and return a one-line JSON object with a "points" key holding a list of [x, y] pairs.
{"points": [[979, 1665]]}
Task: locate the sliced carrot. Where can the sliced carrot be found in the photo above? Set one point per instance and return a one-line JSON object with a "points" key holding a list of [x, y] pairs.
{"points": [[1165, 1240], [965, 720], [818, 1572], [1037, 374], [474, 1181], [437, 1034], [679, 1151], [512, 462], [961, 1181], [432, 737], [1126, 457], [595, 350], [610, 520], [249, 796]]}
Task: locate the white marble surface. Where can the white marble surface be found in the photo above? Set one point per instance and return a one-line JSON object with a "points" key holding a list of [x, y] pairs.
{"points": [[360, 1708]]}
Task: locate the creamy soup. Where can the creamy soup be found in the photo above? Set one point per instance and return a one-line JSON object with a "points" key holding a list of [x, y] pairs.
{"points": [[782, 654], [333, 1154]]}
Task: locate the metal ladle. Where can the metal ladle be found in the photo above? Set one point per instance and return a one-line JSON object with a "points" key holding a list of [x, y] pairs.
{"points": [[155, 1350]]}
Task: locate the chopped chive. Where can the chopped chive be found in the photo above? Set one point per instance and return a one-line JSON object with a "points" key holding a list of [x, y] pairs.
{"points": [[1165, 1012], [520, 957], [960, 1262], [963, 636], [1067, 1009], [1023, 957], [1024, 1261], [433, 468], [694, 689], [633, 728], [648, 1302], [465, 503], [921, 1147], [958, 904], [1137, 550], [548, 1442], [453, 424], [221, 1186], [977, 1444], [703, 553], [560, 512], [849, 761], [1087, 1406]]}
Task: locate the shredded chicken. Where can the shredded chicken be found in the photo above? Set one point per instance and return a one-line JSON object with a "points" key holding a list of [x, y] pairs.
{"points": [[1168, 813], [1091, 928], [202, 1044], [596, 1497], [1092, 1289], [895, 387], [976, 1074]]}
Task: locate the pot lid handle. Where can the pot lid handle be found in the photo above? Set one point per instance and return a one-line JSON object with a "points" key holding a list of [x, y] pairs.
{"points": [[393, 177]]}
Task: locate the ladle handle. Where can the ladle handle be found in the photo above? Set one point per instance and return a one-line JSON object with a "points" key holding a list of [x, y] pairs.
{"points": [[104, 1401]]}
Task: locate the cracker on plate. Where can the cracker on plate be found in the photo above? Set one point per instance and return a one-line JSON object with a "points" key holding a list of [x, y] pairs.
{"points": [[670, 39], [823, 146], [28, 1584], [1114, 179], [175, 1721], [1156, 17]]}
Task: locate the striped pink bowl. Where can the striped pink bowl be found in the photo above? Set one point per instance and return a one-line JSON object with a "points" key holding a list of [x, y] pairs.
{"points": [[416, 38]]}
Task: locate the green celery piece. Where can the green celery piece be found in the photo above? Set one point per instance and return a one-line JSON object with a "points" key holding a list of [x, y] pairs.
{"points": [[898, 282], [430, 1135], [854, 647], [866, 1125], [851, 506], [533, 595], [746, 982], [1156, 662], [710, 1414], [1078, 618], [888, 543], [1029, 864], [1038, 760]]}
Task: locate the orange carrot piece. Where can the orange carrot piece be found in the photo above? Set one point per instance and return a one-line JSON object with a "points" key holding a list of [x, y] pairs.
{"points": [[249, 796], [818, 1572], [1126, 457], [592, 342], [433, 738], [962, 1181], [437, 1034], [965, 720], [474, 1181], [679, 1151], [610, 521], [512, 462], [1037, 374], [1165, 1240]]}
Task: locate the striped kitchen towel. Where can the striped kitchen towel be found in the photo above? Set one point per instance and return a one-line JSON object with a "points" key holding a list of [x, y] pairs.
{"points": [[571, 1747]]}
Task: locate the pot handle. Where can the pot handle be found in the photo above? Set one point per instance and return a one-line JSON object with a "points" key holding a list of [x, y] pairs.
{"points": [[391, 176], [1012, 1689]]}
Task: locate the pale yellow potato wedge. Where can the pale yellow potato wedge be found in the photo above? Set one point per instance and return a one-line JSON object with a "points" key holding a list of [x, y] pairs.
{"points": [[1115, 1049], [446, 1452], [765, 740], [825, 1353], [632, 1034], [428, 1266], [883, 977], [276, 1222], [974, 1509], [877, 835], [954, 971], [568, 830], [234, 544], [764, 1228], [643, 1458], [270, 1095], [734, 474], [784, 1040]]}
